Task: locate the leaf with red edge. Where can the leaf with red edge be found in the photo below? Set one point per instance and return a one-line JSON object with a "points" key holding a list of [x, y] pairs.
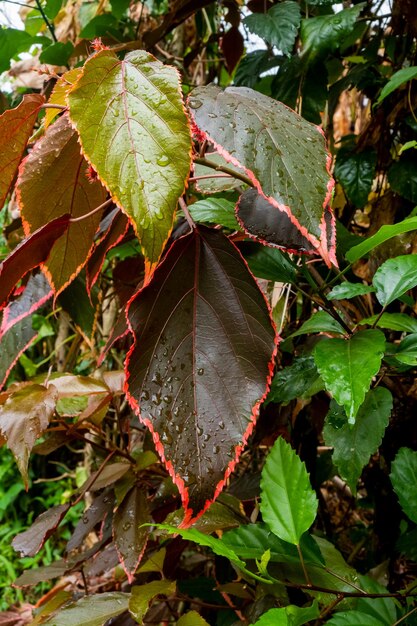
{"points": [[57, 159], [261, 220], [31, 540], [59, 93], [32, 251], [24, 416], [13, 343], [134, 131], [16, 127], [201, 362], [35, 294], [101, 506], [130, 536], [284, 155]]}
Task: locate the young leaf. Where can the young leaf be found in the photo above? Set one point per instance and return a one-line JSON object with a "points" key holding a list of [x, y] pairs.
{"points": [[323, 34], [192, 618], [347, 290], [384, 233], [24, 416], [57, 159], [215, 211], [319, 322], [404, 480], [347, 367], [278, 26], [355, 171], [290, 615], [143, 594], [288, 502], [395, 277], [130, 536], [276, 148], [201, 362], [16, 126], [396, 80], [95, 610], [31, 540], [353, 445], [134, 131]]}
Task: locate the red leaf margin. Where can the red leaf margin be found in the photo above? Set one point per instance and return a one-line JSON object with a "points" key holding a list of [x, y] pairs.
{"points": [[189, 516]]}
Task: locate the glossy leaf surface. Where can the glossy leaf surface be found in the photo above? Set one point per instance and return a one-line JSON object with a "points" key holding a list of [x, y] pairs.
{"points": [[294, 381], [269, 263], [35, 294], [133, 130], [142, 596], [356, 171], [93, 610], [393, 321], [130, 536], [320, 322], [218, 181], [16, 127], [288, 502], [13, 342], [276, 147], [347, 367], [57, 158], [354, 444], [404, 480], [31, 541], [347, 290], [215, 211], [395, 277], [323, 34], [385, 233], [101, 506], [201, 362], [278, 26], [24, 416]]}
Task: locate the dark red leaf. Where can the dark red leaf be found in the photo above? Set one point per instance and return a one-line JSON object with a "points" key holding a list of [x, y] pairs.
{"points": [[35, 294], [31, 540], [12, 344], [262, 221], [30, 253], [95, 514], [232, 46], [130, 536], [201, 362], [40, 574]]}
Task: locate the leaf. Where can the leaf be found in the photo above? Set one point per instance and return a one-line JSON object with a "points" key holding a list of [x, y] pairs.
{"points": [[402, 176], [275, 147], [355, 171], [393, 321], [83, 307], [382, 609], [199, 370], [290, 615], [192, 618], [278, 26], [57, 53], [215, 211], [352, 618], [294, 381], [118, 229], [93, 610], [269, 263], [347, 367], [24, 416], [354, 445], [251, 67], [323, 34], [13, 343], [215, 184], [319, 322], [406, 350], [16, 127], [396, 80], [384, 233], [40, 574], [108, 476], [12, 41], [394, 277], [36, 293], [101, 506], [59, 93], [347, 290], [57, 159], [232, 46], [143, 594], [31, 540], [134, 131], [261, 220], [404, 481], [288, 502], [129, 534]]}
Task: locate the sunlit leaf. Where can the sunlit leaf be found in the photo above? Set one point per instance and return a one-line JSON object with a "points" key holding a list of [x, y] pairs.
{"points": [[59, 93], [134, 131], [393, 321], [192, 618], [130, 536], [215, 211], [201, 362]]}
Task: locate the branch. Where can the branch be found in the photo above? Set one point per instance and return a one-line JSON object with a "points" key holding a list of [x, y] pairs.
{"points": [[226, 170], [47, 22]]}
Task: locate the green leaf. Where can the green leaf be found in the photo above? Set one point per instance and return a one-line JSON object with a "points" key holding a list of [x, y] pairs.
{"points": [[290, 615], [269, 263], [347, 367], [323, 34], [319, 322], [192, 618], [393, 321], [352, 618], [353, 445], [406, 350], [251, 67], [294, 381], [288, 502], [93, 610], [382, 609], [404, 481], [52, 8], [134, 131], [278, 26], [57, 53], [355, 171], [246, 123], [402, 176], [215, 211], [396, 80], [119, 7], [395, 277], [12, 41], [383, 234], [100, 26], [143, 594], [347, 290], [24, 416]]}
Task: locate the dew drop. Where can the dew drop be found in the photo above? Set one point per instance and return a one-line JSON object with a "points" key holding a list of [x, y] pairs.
{"points": [[163, 160], [194, 103], [200, 371]]}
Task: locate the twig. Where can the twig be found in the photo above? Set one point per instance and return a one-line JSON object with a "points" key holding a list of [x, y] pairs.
{"points": [[96, 210], [61, 107], [186, 212], [47, 22], [223, 168]]}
